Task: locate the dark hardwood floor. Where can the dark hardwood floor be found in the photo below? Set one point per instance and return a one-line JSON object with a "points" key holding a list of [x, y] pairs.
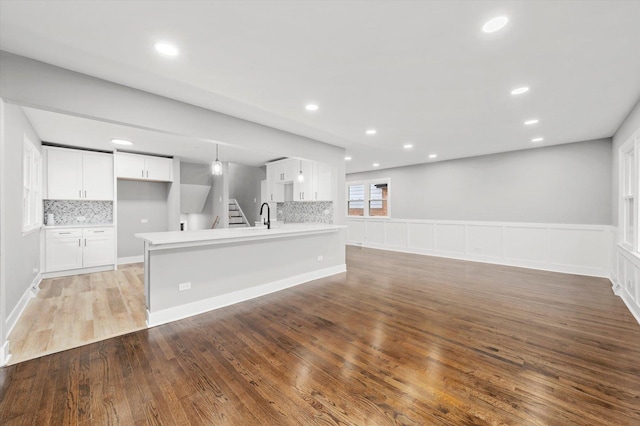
{"points": [[398, 339]]}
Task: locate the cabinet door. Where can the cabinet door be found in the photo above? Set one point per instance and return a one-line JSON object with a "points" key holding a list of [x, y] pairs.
{"points": [[323, 182], [97, 176], [289, 170], [275, 189], [98, 250], [64, 174], [303, 191], [130, 166], [158, 169], [63, 253]]}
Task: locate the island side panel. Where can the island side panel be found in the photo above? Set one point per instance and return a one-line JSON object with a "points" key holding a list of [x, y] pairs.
{"points": [[218, 270]]}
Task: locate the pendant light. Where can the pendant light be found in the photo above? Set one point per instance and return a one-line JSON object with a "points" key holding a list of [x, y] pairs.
{"points": [[216, 166], [301, 176]]}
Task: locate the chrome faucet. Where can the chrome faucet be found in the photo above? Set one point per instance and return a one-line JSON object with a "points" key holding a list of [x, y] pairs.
{"points": [[268, 221]]}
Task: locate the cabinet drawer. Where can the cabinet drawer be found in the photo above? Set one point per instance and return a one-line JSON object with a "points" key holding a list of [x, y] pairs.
{"points": [[88, 232], [64, 233]]}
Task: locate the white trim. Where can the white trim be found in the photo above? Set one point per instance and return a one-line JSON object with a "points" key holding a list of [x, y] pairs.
{"points": [[130, 259], [184, 311], [527, 245], [69, 272], [12, 318], [5, 355]]}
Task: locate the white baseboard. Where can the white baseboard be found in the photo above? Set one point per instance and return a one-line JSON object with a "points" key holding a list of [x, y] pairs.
{"points": [[12, 318], [130, 259], [184, 311], [69, 272], [5, 356], [631, 305]]}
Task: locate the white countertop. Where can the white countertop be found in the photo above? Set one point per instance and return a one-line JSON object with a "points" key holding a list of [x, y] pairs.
{"points": [[78, 225], [184, 238]]}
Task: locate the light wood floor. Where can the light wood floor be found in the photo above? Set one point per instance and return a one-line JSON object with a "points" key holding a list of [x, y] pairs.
{"points": [[398, 339], [73, 311]]}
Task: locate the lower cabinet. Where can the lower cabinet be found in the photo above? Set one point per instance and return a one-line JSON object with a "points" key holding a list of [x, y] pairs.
{"points": [[78, 248]]}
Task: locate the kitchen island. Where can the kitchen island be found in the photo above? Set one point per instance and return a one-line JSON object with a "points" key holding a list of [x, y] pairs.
{"points": [[190, 272]]}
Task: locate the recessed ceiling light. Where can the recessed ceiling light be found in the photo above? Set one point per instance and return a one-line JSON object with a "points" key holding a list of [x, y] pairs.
{"points": [[376, 164], [166, 48], [407, 146], [530, 122], [311, 107], [347, 158], [372, 131], [520, 90], [537, 139], [495, 24], [121, 142], [433, 155]]}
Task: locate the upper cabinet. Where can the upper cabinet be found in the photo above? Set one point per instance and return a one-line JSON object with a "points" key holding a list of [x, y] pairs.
{"points": [[316, 186], [78, 175], [144, 167]]}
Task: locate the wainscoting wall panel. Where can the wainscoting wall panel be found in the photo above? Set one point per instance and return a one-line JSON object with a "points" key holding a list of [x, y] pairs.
{"points": [[625, 276], [577, 249]]}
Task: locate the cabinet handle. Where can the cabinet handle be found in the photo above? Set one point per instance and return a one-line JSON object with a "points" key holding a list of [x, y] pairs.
{"points": [[60, 233], [85, 242], [142, 172], [79, 244], [85, 193], [271, 197], [147, 173], [79, 193], [97, 232], [316, 195]]}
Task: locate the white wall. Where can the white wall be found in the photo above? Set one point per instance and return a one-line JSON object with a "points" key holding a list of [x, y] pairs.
{"points": [[559, 184], [39, 85], [20, 253], [576, 249], [630, 124]]}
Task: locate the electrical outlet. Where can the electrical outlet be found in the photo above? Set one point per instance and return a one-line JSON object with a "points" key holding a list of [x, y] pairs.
{"points": [[184, 286], [320, 258], [478, 249], [144, 220], [81, 218]]}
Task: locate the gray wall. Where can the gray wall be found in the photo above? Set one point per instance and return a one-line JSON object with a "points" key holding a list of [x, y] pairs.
{"points": [[139, 200], [21, 253], [198, 174], [559, 184], [244, 186], [629, 125]]}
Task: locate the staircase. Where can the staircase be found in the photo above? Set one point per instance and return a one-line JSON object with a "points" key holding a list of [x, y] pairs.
{"points": [[237, 219]]}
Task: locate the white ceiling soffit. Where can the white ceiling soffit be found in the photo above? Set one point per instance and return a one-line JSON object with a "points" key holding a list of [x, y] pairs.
{"points": [[418, 72], [74, 131]]}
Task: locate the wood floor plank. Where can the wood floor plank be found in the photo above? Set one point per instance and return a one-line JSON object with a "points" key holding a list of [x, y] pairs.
{"points": [[398, 339]]}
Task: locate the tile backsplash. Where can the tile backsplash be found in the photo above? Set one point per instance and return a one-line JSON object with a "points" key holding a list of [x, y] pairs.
{"points": [[66, 212], [305, 212]]}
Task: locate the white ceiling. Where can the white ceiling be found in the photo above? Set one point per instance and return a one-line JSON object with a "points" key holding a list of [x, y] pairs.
{"points": [[418, 72]]}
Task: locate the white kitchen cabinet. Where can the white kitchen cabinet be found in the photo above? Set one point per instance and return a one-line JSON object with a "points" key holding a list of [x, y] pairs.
{"points": [[79, 175], [322, 182], [275, 189], [304, 191], [63, 249], [283, 171], [77, 248], [98, 247], [144, 167]]}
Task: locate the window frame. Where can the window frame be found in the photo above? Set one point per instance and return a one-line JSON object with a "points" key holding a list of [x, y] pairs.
{"points": [[31, 187], [367, 197]]}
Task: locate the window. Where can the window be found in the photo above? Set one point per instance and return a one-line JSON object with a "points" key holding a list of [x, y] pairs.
{"points": [[31, 187], [368, 198]]}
